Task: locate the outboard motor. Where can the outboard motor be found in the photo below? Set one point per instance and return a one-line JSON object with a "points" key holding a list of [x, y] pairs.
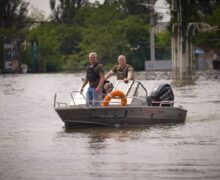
{"points": [[161, 95]]}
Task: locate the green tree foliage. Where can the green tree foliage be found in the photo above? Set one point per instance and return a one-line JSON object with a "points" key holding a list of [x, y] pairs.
{"points": [[36, 14], [215, 18], [163, 39], [210, 40], [99, 34], [55, 43], [131, 7], [112, 34], [137, 35], [104, 29], [195, 11], [12, 13], [79, 27], [65, 11], [163, 45]]}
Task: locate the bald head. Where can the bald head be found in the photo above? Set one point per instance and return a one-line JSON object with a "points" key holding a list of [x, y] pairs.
{"points": [[121, 60]]}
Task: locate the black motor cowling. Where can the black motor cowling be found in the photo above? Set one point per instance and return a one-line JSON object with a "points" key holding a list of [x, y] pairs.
{"points": [[161, 95]]}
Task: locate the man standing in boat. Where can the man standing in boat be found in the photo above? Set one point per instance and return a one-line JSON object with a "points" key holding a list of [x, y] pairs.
{"points": [[122, 70], [95, 77]]}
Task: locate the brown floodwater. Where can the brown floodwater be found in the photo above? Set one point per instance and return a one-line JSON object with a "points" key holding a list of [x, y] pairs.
{"points": [[34, 144]]}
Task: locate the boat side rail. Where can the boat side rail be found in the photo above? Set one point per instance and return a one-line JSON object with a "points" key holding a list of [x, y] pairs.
{"points": [[114, 101], [73, 98], [82, 97], [57, 103], [88, 102]]}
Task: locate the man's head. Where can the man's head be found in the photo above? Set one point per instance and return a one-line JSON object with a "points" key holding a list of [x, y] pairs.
{"points": [[121, 60], [92, 58]]}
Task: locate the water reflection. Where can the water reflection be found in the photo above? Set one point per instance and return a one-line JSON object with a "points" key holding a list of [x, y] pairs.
{"points": [[182, 83], [120, 134]]}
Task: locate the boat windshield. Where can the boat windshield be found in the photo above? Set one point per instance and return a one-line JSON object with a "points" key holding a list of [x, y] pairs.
{"points": [[122, 86], [133, 90]]}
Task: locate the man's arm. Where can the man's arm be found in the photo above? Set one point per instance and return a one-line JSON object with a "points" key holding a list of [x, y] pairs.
{"points": [[130, 75], [101, 82], [83, 85], [109, 74]]}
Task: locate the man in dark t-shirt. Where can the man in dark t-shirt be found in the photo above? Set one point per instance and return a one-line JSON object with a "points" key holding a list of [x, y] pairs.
{"points": [[122, 70], [95, 77]]}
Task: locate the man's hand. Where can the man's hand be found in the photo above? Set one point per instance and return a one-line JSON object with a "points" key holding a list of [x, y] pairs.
{"points": [[126, 80], [97, 89], [81, 90]]}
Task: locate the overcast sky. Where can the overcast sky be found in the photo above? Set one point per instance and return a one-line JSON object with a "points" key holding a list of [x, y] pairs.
{"points": [[44, 6]]}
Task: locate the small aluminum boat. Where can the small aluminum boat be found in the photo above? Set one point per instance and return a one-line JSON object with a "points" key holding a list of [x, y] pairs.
{"points": [[139, 110]]}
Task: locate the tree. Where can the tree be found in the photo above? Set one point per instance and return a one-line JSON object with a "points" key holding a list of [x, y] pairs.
{"points": [[12, 13], [132, 7], [210, 40], [137, 36], [36, 14], [115, 33], [163, 44], [65, 11], [186, 15], [70, 40], [47, 37]]}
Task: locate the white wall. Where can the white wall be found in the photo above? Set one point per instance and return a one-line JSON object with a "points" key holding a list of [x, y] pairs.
{"points": [[158, 65]]}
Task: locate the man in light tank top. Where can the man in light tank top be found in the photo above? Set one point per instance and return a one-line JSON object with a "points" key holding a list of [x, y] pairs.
{"points": [[123, 71]]}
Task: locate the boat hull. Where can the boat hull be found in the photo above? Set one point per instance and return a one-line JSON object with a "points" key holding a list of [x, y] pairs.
{"points": [[120, 116]]}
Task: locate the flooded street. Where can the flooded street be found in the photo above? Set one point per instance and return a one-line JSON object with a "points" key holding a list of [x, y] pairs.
{"points": [[35, 145]]}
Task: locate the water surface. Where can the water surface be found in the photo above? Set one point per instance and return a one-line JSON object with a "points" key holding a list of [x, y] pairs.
{"points": [[35, 145]]}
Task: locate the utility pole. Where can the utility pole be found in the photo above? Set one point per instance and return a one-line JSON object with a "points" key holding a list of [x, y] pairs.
{"points": [[152, 35]]}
